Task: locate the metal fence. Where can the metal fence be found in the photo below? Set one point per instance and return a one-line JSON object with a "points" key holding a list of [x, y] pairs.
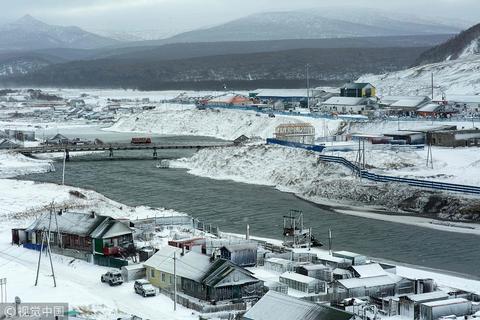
{"points": [[384, 178]]}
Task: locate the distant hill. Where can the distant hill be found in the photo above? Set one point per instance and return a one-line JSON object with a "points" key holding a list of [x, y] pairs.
{"points": [[210, 72], [465, 44], [314, 24], [28, 33]]}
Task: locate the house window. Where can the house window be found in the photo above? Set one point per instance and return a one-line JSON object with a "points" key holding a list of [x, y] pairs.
{"points": [[152, 273], [163, 277]]}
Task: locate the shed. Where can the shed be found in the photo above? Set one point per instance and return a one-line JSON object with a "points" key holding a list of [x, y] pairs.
{"points": [[278, 265], [455, 138], [409, 306], [406, 137], [357, 259], [317, 271], [334, 262], [302, 283], [364, 287], [279, 306], [133, 272], [243, 255], [436, 309]]}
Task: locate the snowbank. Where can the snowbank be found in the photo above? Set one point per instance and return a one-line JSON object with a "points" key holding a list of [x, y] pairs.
{"points": [[173, 119], [301, 172], [13, 164], [459, 76]]}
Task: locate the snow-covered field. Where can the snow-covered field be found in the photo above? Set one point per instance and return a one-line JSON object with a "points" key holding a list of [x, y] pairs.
{"points": [[226, 124], [461, 76]]}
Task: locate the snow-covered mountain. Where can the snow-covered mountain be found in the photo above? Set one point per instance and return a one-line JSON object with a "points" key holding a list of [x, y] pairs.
{"points": [[455, 66], [28, 33], [316, 24], [465, 44], [460, 76]]}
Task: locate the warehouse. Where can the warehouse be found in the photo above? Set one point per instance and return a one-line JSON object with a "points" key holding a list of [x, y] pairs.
{"points": [[279, 306], [355, 258], [303, 283], [455, 138], [317, 271], [409, 306], [436, 309], [341, 105]]}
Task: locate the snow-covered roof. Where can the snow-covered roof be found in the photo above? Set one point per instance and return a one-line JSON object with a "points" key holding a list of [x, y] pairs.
{"points": [[311, 267], [369, 270], [446, 302], [191, 265], [347, 254], [408, 103], [344, 101], [366, 282], [431, 107], [241, 246], [428, 296], [281, 261], [275, 305], [110, 229], [298, 277], [70, 223]]}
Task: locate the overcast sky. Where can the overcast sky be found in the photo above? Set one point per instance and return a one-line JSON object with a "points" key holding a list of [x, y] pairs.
{"points": [[190, 14]]}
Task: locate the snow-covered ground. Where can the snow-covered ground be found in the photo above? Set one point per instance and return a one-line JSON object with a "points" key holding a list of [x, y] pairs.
{"points": [[220, 123], [461, 76]]}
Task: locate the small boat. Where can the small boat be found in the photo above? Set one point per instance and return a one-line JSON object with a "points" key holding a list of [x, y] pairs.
{"points": [[163, 164]]}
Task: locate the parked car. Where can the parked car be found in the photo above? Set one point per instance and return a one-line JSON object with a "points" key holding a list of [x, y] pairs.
{"points": [[271, 115], [144, 288], [114, 278]]}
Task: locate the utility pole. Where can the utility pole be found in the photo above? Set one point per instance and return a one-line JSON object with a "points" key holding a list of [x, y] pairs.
{"points": [[175, 281], [330, 241], [63, 168], [308, 85], [432, 86], [46, 238]]}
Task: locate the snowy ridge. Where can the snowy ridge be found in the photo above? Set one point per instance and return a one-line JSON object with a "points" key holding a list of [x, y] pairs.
{"points": [[471, 49], [461, 76]]}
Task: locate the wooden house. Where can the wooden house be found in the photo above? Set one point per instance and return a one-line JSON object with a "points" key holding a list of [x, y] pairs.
{"points": [[201, 278], [86, 232]]}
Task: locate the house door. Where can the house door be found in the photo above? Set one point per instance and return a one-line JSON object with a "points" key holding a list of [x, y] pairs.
{"points": [[98, 245], [237, 292]]}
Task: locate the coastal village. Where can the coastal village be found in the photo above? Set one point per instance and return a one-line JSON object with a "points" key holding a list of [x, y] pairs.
{"points": [[220, 275]]}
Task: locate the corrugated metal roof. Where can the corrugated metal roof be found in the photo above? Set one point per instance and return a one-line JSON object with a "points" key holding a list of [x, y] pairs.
{"points": [[191, 265], [298, 277], [366, 282], [431, 107], [279, 306], [369, 270], [445, 302], [428, 296], [408, 103], [81, 224]]}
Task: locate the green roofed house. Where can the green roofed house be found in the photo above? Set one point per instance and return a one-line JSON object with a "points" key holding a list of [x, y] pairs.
{"points": [[358, 90], [279, 306], [81, 235]]}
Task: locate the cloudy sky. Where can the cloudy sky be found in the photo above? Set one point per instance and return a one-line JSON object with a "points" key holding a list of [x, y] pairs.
{"points": [[190, 14]]}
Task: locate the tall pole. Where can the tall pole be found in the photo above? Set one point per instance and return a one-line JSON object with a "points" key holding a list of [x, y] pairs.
{"points": [[39, 257], [432, 85], [175, 281], [308, 86], [63, 168], [330, 241]]}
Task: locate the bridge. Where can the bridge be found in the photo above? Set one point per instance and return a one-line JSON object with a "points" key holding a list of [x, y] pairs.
{"points": [[111, 147]]}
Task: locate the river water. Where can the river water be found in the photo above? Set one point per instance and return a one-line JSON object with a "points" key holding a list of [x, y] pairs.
{"points": [[133, 179]]}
